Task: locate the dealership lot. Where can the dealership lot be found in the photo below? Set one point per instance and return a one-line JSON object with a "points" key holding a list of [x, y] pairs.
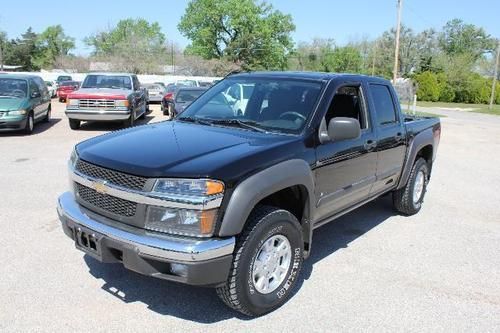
{"points": [[369, 270]]}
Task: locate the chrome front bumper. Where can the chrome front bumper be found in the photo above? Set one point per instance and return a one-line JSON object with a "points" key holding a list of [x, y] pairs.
{"points": [[142, 242], [97, 115]]}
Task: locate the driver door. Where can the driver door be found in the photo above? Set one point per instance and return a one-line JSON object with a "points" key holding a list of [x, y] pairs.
{"points": [[345, 169]]}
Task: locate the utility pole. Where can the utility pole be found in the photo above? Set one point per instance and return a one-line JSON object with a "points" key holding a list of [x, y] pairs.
{"points": [[396, 51], [492, 99], [1, 55], [374, 57]]}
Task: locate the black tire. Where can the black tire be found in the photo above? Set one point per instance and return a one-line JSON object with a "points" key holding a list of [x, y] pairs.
{"points": [[146, 110], [60, 100], [403, 199], [30, 124], [239, 292], [47, 117], [74, 124], [129, 122]]}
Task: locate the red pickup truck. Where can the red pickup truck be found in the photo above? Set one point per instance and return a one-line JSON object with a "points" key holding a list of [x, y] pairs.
{"points": [[65, 88]]}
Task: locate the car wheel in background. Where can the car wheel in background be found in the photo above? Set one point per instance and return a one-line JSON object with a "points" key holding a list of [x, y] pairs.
{"points": [[74, 124], [30, 124], [47, 117], [130, 121]]}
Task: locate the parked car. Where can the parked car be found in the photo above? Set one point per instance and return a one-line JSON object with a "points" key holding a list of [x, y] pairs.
{"points": [[187, 83], [65, 88], [232, 202], [155, 91], [162, 84], [62, 78], [183, 97], [51, 86], [107, 97], [237, 96], [24, 101], [168, 98]]}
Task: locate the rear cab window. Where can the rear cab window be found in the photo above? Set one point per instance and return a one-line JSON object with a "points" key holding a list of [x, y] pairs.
{"points": [[384, 104]]}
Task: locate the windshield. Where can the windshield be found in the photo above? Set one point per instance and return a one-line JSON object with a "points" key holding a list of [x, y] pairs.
{"points": [[188, 96], [107, 81], [271, 104], [63, 78], [68, 83], [15, 88]]}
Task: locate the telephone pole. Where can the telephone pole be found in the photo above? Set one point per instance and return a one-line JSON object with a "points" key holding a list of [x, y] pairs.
{"points": [[396, 51], [492, 99]]}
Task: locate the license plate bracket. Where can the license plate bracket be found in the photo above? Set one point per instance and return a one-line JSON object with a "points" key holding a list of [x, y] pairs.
{"points": [[88, 241]]}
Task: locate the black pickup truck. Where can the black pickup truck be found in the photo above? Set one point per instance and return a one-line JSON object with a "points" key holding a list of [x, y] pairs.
{"points": [[231, 201]]}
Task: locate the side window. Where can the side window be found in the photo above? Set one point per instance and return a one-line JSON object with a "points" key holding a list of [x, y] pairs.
{"points": [[41, 85], [348, 102], [384, 104], [137, 84], [34, 87]]}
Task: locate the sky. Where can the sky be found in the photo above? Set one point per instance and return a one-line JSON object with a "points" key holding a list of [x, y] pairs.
{"points": [[341, 20]]}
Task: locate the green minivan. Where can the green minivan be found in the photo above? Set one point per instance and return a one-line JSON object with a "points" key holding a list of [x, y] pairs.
{"points": [[24, 101]]}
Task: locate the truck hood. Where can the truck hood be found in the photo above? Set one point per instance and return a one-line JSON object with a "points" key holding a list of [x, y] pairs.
{"points": [[11, 104], [179, 149], [99, 93]]}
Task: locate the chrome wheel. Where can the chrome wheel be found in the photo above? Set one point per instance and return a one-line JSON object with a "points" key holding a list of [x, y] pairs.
{"points": [[271, 264], [30, 123], [418, 187]]}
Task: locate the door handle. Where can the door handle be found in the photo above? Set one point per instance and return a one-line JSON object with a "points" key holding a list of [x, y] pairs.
{"points": [[370, 145], [398, 136]]}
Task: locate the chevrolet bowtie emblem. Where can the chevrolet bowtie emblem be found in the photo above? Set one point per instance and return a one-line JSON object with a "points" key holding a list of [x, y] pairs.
{"points": [[100, 187]]}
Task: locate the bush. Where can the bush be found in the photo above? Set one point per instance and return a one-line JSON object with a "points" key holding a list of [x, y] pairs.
{"points": [[428, 87]]}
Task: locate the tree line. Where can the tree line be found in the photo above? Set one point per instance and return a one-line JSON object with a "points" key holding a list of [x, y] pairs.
{"points": [[452, 64]]}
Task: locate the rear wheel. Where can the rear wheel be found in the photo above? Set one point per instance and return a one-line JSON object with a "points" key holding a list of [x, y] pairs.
{"points": [[267, 262], [74, 124], [408, 200], [47, 117]]}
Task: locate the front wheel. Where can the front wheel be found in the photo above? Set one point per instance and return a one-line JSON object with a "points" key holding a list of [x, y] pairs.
{"points": [[74, 124], [267, 262], [129, 122], [30, 124], [408, 200], [47, 116]]}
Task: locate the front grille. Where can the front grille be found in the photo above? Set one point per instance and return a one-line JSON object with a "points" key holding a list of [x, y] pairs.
{"points": [[106, 202], [111, 176], [96, 104]]}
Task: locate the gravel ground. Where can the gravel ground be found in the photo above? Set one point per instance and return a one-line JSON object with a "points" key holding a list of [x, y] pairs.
{"points": [[371, 270]]}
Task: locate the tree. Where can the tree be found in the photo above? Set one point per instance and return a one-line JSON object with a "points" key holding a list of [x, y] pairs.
{"points": [[459, 38], [251, 35], [428, 86], [51, 44], [134, 44], [22, 51], [3, 39]]}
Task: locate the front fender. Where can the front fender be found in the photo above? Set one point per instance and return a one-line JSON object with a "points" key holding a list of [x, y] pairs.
{"points": [[262, 184]]}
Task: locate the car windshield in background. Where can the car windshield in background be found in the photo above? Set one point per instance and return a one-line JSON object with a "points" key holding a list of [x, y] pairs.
{"points": [[64, 78], [187, 83], [107, 81], [265, 104], [188, 96], [68, 83], [13, 88]]}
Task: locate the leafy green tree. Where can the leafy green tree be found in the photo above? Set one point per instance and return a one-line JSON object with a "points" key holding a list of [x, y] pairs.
{"points": [[52, 43], [459, 38], [428, 86], [3, 43], [249, 34], [22, 51], [134, 45]]}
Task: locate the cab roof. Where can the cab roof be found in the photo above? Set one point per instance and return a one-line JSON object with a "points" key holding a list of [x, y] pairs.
{"points": [[318, 76], [18, 76]]}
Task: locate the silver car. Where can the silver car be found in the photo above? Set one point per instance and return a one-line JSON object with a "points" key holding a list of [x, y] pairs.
{"points": [[156, 91]]}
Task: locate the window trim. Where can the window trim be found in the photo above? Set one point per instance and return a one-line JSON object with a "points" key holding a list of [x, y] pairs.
{"points": [[364, 107]]}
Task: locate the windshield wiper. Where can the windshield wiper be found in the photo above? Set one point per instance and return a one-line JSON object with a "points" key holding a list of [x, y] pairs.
{"points": [[194, 120], [248, 124]]}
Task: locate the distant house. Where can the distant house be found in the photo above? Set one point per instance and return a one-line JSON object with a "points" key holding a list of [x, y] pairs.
{"points": [[11, 68]]}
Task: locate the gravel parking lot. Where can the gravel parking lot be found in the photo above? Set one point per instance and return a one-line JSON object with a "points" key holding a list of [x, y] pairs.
{"points": [[371, 270]]}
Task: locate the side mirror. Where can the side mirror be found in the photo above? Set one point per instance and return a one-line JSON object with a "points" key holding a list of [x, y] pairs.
{"points": [[342, 128], [35, 94]]}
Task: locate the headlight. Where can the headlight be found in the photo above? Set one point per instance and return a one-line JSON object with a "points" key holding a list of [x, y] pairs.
{"points": [[189, 187], [121, 103], [196, 223], [73, 158], [17, 113], [72, 102]]}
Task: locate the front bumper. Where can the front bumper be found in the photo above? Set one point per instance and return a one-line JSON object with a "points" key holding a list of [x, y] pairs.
{"points": [[97, 115], [12, 124], [204, 262]]}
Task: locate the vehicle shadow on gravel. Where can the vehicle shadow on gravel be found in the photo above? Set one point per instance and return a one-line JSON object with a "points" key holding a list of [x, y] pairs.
{"points": [[40, 128], [202, 304]]}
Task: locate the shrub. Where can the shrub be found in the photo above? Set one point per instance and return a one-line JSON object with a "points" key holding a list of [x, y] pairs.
{"points": [[428, 86]]}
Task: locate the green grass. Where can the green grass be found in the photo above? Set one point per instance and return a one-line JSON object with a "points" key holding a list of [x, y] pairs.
{"points": [[480, 108]]}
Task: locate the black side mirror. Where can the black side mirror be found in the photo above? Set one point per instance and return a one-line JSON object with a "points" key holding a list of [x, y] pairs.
{"points": [[35, 94], [342, 128]]}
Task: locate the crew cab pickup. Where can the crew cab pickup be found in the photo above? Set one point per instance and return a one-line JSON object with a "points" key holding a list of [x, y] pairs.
{"points": [[232, 201], [107, 97]]}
